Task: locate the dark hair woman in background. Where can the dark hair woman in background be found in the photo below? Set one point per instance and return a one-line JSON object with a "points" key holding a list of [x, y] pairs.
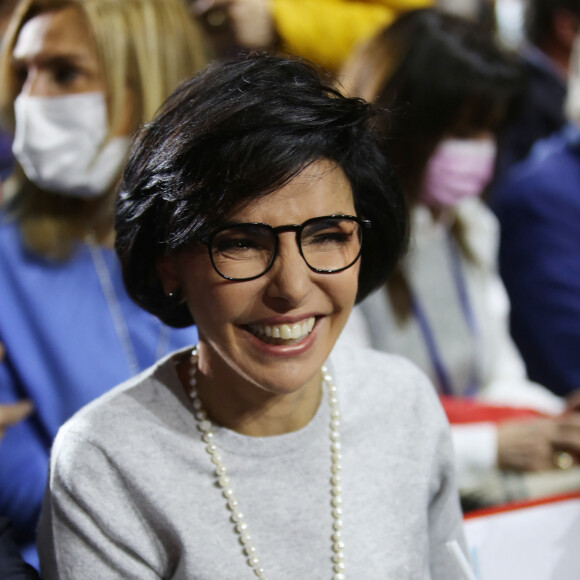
{"points": [[451, 90], [260, 206]]}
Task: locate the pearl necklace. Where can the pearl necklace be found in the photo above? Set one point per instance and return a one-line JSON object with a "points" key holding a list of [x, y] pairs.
{"points": [[240, 526]]}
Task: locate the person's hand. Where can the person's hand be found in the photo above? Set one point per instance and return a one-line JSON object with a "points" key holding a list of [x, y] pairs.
{"points": [[526, 445], [249, 21], [539, 444], [10, 414], [566, 440], [573, 401]]}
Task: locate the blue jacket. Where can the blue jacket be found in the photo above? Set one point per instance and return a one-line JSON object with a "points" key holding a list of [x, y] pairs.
{"points": [[538, 206], [63, 349]]}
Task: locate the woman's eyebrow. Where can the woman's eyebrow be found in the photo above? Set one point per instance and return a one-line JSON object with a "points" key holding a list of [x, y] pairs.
{"points": [[50, 60]]}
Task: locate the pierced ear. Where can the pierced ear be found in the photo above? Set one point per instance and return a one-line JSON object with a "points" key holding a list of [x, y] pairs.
{"points": [[168, 274]]}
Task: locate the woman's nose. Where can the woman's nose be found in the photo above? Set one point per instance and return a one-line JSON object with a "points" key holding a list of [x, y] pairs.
{"points": [[290, 278]]}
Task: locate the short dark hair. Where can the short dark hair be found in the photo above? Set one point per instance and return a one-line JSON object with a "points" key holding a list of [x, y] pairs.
{"points": [[238, 131], [446, 75], [539, 17]]}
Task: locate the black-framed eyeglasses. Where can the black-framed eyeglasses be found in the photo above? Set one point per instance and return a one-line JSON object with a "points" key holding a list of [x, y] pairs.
{"points": [[246, 251]]}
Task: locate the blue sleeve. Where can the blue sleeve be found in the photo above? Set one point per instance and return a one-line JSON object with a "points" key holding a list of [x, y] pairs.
{"points": [[540, 265], [24, 460]]}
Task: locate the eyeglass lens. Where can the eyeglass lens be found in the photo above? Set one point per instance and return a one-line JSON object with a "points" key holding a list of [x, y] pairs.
{"points": [[247, 250]]}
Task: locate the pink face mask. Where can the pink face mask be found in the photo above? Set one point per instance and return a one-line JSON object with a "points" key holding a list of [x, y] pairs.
{"points": [[458, 169]]}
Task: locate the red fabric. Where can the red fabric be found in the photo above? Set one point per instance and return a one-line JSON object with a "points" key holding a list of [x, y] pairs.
{"points": [[519, 504], [469, 411]]}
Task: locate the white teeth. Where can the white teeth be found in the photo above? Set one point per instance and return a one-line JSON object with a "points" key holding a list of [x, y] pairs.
{"points": [[285, 331], [299, 330]]}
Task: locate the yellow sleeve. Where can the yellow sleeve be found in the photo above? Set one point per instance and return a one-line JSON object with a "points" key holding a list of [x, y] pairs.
{"points": [[326, 31]]}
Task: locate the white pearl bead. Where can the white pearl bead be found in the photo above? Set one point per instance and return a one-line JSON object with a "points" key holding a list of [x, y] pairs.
{"points": [[221, 470], [339, 567], [337, 536], [338, 557], [228, 492], [339, 576], [204, 425], [207, 437], [338, 546], [224, 481], [253, 560], [216, 458]]}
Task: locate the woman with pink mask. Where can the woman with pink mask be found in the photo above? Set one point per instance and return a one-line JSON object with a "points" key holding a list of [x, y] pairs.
{"points": [[450, 90]]}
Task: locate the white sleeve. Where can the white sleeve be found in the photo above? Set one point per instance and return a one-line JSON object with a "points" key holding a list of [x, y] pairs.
{"points": [[90, 527], [475, 447], [505, 379]]}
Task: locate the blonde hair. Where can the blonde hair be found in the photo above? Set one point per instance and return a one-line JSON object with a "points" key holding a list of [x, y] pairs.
{"points": [[145, 47]]}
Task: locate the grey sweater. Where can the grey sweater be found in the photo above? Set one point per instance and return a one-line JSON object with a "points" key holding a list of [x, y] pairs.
{"points": [[132, 494]]}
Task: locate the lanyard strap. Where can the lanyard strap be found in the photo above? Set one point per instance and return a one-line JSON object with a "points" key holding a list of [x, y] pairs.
{"points": [[116, 311], [443, 377], [443, 381]]}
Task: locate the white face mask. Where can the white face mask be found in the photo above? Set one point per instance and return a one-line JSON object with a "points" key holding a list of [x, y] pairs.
{"points": [[60, 144], [458, 169]]}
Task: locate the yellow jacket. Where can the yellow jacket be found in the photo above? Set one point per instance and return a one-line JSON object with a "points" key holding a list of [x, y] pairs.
{"points": [[325, 31]]}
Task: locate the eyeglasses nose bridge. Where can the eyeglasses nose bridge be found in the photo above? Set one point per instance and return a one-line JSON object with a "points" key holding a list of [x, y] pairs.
{"points": [[297, 228]]}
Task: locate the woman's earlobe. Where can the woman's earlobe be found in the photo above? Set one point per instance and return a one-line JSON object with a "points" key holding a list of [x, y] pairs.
{"points": [[168, 275]]}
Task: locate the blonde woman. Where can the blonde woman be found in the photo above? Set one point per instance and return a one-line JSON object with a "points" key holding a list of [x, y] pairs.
{"points": [[77, 78]]}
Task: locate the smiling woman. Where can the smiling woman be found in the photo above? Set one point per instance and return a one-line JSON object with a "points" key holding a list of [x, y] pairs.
{"points": [[258, 204]]}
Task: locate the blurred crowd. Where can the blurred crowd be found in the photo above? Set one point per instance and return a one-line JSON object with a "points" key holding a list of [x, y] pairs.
{"points": [[482, 125]]}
